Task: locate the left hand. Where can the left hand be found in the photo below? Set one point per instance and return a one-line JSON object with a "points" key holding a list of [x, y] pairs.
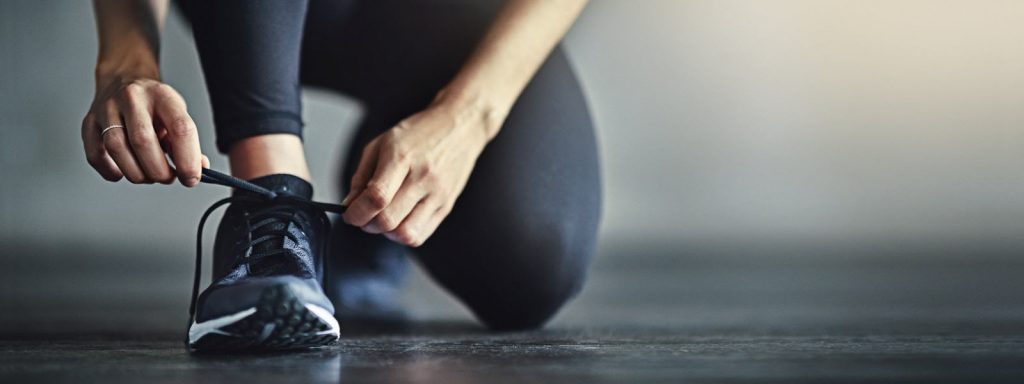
{"points": [[409, 177]]}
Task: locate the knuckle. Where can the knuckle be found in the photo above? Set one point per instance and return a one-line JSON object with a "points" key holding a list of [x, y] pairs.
{"points": [[139, 138], [428, 172], [167, 93], [135, 178], [445, 209], [400, 155], [165, 89], [94, 158], [180, 127], [377, 196], [87, 122], [131, 90], [164, 177], [386, 223], [406, 236], [162, 174]]}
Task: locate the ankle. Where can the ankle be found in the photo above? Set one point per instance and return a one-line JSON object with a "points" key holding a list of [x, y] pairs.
{"points": [[264, 155]]}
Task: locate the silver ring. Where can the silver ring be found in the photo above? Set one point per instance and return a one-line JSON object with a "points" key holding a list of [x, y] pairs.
{"points": [[107, 129]]}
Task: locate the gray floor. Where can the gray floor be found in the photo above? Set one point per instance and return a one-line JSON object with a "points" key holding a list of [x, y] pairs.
{"points": [[651, 313]]}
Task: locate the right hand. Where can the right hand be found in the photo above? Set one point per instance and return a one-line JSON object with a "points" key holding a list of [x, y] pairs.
{"points": [[156, 124]]}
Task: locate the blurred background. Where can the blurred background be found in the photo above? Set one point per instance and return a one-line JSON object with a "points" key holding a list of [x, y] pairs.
{"points": [[753, 129]]}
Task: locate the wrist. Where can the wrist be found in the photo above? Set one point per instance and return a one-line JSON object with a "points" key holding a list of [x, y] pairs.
{"points": [[127, 67], [474, 107]]}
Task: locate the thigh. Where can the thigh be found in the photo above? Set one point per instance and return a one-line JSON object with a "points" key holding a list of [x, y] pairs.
{"points": [[517, 244], [393, 55]]}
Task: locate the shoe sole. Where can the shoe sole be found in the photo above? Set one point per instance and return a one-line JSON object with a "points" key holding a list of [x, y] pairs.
{"points": [[278, 321]]}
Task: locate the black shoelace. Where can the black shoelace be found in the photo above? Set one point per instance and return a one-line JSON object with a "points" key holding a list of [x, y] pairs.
{"points": [[267, 217]]}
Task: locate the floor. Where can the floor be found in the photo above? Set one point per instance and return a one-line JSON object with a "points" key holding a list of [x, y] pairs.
{"points": [[716, 312]]}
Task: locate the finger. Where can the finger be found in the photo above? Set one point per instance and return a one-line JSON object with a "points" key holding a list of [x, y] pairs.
{"points": [[94, 152], [116, 144], [180, 134], [364, 170], [431, 225], [142, 136], [396, 212], [205, 161], [380, 190], [419, 225]]}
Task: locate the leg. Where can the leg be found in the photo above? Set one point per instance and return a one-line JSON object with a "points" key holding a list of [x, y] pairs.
{"points": [[266, 292], [250, 54], [517, 244]]}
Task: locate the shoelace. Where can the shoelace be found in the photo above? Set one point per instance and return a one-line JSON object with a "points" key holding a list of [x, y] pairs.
{"points": [[213, 177]]}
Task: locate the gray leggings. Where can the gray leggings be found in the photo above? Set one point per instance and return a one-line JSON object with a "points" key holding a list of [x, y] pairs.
{"points": [[517, 243]]}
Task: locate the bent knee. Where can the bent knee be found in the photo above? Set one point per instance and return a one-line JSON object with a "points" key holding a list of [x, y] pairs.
{"points": [[526, 307], [521, 275]]}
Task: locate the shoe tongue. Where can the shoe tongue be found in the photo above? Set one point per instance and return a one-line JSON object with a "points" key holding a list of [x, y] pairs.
{"points": [[282, 184], [274, 265]]}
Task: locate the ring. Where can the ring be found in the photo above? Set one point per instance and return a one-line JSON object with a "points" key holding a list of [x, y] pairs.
{"points": [[107, 129]]}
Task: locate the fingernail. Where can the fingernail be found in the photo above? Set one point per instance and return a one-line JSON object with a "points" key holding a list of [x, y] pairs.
{"points": [[348, 199], [371, 228]]}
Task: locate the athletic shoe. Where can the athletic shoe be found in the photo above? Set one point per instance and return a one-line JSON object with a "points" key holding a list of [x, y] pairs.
{"points": [[268, 269], [365, 273]]}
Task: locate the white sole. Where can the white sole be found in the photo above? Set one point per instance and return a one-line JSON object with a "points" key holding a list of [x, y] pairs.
{"points": [[216, 326]]}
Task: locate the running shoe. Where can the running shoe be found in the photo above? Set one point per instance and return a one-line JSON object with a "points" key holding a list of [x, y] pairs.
{"points": [[268, 269]]}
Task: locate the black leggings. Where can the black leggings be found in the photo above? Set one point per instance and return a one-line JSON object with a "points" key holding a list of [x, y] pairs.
{"points": [[518, 241]]}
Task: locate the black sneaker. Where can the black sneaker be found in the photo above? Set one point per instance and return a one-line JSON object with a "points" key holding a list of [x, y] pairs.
{"points": [[268, 269]]}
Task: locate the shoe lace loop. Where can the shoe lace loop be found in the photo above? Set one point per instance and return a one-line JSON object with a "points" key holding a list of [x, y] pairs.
{"points": [[263, 218], [256, 220]]}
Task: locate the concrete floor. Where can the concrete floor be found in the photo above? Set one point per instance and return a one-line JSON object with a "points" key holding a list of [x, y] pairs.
{"points": [[726, 312]]}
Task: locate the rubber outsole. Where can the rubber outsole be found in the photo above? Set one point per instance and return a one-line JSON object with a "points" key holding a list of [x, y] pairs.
{"points": [[278, 322]]}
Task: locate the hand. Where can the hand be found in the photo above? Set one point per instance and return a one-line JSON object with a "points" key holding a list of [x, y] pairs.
{"points": [[409, 177], [155, 123]]}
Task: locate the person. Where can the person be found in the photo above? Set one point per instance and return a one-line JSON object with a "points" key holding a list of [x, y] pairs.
{"points": [[476, 156]]}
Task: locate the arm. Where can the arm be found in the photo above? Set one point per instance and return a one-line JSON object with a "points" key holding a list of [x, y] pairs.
{"points": [[518, 42], [129, 37], [147, 114], [409, 177]]}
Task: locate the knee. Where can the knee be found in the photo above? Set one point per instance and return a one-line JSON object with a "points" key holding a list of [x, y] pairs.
{"points": [[527, 306], [515, 274], [530, 289]]}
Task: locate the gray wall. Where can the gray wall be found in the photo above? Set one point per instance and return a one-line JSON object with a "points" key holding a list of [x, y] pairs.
{"points": [[719, 120]]}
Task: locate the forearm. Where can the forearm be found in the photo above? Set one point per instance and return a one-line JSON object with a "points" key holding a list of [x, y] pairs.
{"points": [[515, 46], [129, 37]]}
